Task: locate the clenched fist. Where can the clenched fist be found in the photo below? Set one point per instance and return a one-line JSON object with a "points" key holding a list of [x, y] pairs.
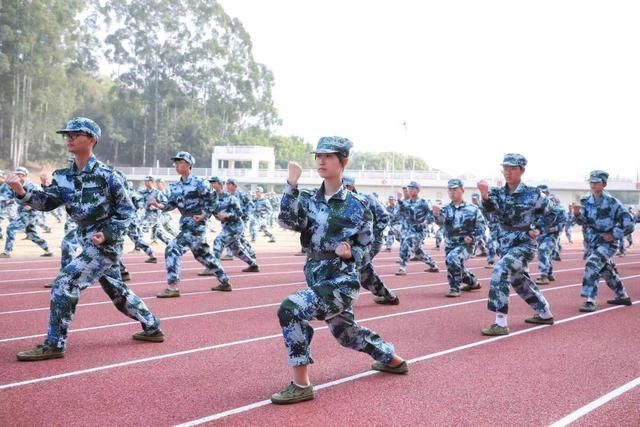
{"points": [[483, 188], [295, 171], [343, 250]]}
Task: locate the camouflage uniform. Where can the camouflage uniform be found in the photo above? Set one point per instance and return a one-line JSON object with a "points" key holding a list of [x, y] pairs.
{"points": [[260, 215], [568, 226], [395, 228], [134, 231], [518, 213], [25, 220], [151, 214], [191, 196], [547, 240], [70, 242], [6, 199], [603, 216], [95, 198], [232, 229], [333, 282], [457, 222], [246, 207], [414, 214]]}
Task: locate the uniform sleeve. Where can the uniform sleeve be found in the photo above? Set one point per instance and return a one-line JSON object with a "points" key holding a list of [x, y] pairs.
{"points": [[480, 225], [361, 243], [491, 204], [293, 215], [381, 214], [623, 223], [43, 200], [540, 209], [171, 201], [122, 210]]}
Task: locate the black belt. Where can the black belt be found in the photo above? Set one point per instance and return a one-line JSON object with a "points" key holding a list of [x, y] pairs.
{"points": [[512, 228], [319, 256]]}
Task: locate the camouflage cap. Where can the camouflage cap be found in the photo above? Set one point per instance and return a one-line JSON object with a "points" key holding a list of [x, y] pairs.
{"points": [[82, 124], [455, 183], [259, 190], [392, 197], [183, 155], [475, 195], [333, 144], [21, 170], [159, 180], [148, 178], [514, 159], [232, 181], [215, 178], [543, 187], [348, 180], [598, 176], [413, 184]]}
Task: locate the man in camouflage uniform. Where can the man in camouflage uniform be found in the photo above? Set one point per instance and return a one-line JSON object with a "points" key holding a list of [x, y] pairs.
{"points": [[481, 243], [607, 221], [369, 279], [520, 210], [415, 214], [196, 203], [95, 198], [261, 214], [165, 217], [568, 226], [336, 233], [26, 219], [229, 213], [246, 206], [134, 231], [463, 225], [6, 199], [552, 224], [395, 228], [151, 214]]}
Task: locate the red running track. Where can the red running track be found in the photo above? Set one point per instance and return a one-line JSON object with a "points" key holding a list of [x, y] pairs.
{"points": [[224, 355]]}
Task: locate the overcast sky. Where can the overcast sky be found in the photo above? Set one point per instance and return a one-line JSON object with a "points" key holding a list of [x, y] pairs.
{"points": [[558, 81]]}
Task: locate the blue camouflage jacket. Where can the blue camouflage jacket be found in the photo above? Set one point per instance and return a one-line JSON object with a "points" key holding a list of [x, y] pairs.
{"points": [[413, 214], [460, 221], [95, 198], [191, 196], [604, 216]]}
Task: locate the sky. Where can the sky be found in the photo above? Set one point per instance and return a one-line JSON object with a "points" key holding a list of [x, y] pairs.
{"points": [[557, 81]]}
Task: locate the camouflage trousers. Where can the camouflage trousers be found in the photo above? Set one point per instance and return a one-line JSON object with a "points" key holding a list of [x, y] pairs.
{"points": [[568, 231], [370, 280], [481, 244], [93, 264], [259, 224], [547, 248], [231, 236], [69, 247], [512, 269], [165, 222], [194, 239], [454, 260], [333, 286], [413, 242], [135, 234], [20, 223], [438, 237], [598, 265], [393, 234]]}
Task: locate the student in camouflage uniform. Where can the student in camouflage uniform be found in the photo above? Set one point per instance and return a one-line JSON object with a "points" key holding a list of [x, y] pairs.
{"points": [[463, 225], [415, 214], [336, 232], [6, 199], [134, 230], [229, 213], [95, 198], [151, 214], [552, 224], [196, 203], [607, 221], [26, 219], [369, 279], [568, 226], [246, 206], [261, 214], [395, 228], [165, 217], [520, 210], [481, 243]]}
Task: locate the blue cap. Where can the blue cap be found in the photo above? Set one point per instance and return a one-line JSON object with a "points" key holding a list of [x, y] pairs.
{"points": [[82, 124], [348, 180], [514, 159], [413, 184], [259, 190], [215, 178], [598, 176], [475, 195], [392, 197], [159, 180], [232, 181], [333, 144], [455, 183], [148, 178], [183, 155], [21, 170]]}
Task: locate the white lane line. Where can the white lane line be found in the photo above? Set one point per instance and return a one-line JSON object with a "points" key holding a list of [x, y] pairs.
{"points": [[579, 413], [267, 337], [249, 407]]}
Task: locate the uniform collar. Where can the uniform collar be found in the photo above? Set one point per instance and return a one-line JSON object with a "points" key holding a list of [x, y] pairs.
{"points": [[340, 194], [519, 189], [88, 168]]}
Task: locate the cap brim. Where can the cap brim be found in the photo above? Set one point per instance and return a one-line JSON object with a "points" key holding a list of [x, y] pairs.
{"points": [[324, 151], [455, 186], [509, 164], [66, 130]]}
